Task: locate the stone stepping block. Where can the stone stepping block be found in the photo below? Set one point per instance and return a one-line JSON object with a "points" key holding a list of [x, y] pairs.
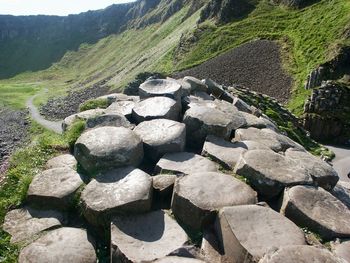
{"points": [[275, 141], [84, 115], [25, 223], [61, 246], [231, 112], [318, 210], [163, 186], [247, 232], [342, 249], [161, 136], [300, 254], [54, 188], [269, 172], [124, 190], [145, 237], [160, 88], [156, 108], [64, 160], [108, 147], [322, 173], [184, 163], [174, 259], [204, 194], [227, 153], [202, 121], [196, 84], [121, 107], [109, 119], [257, 122]]}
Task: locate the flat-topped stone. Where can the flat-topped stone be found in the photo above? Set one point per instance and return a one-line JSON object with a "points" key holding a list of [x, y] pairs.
{"points": [[247, 232], [202, 121], [184, 163], [204, 194], [108, 147], [60, 161], [54, 188], [108, 119], [61, 246], [300, 254], [318, 210], [160, 87], [145, 237], [161, 136], [322, 173], [123, 190], [342, 249], [174, 259], [196, 84], [119, 97], [25, 223], [121, 107], [276, 141], [156, 108], [269, 172], [84, 115], [257, 122]]}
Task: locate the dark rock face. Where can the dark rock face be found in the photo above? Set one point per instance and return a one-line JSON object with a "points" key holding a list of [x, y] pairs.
{"points": [[227, 10]]}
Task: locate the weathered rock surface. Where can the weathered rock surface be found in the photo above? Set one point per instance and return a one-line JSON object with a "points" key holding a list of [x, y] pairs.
{"points": [[204, 194], [184, 163], [300, 254], [269, 172], [174, 259], [203, 121], [342, 250], [196, 84], [257, 122], [114, 97], [84, 115], [210, 247], [160, 87], [321, 172], [227, 153], [146, 237], [64, 160], [108, 147], [342, 193], [124, 190], [318, 210], [276, 141], [163, 186], [247, 232], [156, 108], [109, 119], [121, 107], [54, 188], [25, 223], [61, 246], [161, 136]]}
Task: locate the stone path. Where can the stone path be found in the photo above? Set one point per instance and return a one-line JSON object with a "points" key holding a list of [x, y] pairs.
{"points": [[217, 168], [55, 126]]}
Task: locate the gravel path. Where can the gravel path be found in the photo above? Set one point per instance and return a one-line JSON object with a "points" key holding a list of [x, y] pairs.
{"points": [[341, 162], [55, 126], [255, 65]]}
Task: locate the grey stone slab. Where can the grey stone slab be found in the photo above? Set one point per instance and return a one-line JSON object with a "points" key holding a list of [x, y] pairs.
{"points": [[63, 160], [160, 87]]}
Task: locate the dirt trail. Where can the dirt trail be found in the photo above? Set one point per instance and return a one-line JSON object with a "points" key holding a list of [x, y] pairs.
{"points": [[55, 126]]}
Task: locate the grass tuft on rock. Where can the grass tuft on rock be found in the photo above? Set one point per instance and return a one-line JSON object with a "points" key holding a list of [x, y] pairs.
{"points": [[93, 104]]}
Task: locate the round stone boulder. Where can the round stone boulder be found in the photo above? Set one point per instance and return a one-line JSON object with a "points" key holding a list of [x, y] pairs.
{"points": [[269, 172], [156, 108], [204, 194], [202, 121], [318, 210], [161, 136], [64, 160], [124, 190], [108, 119], [121, 107], [61, 246], [248, 232], [145, 237], [54, 188], [184, 163], [300, 254], [108, 147], [25, 223], [160, 87]]}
